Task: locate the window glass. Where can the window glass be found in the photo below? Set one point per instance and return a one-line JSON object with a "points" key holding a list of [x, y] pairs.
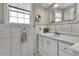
{"points": [[20, 20], [12, 13], [17, 15], [58, 15], [20, 15], [13, 19], [27, 16], [57, 19], [27, 21]]}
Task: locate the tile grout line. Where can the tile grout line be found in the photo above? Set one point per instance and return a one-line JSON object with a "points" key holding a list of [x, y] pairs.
{"points": [[20, 40], [10, 41]]}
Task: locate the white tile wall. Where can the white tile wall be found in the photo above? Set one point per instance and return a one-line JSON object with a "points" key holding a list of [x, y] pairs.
{"points": [[66, 28], [4, 31], [10, 42], [4, 45], [7, 53], [15, 43], [59, 28], [24, 51], [16, 52], [75, 28], [52, 28], [15, 31]]}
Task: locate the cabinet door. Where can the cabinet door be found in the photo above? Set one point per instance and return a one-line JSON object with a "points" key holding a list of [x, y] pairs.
{"points": [[65, 47], [50, 46], [61, 53]]}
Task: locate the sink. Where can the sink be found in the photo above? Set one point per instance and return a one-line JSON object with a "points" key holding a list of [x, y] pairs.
{"points": [[51, 34]]}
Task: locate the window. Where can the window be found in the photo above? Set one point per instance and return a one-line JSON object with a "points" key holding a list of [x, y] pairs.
{"points": [[58, 16], [17, 15]]}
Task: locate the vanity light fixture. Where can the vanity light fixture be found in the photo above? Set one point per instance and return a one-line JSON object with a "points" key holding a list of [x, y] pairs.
{"points": [[37, 18], [56, 5]]}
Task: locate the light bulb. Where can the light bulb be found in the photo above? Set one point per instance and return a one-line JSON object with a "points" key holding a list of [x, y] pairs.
{"points": [[56, 5]]}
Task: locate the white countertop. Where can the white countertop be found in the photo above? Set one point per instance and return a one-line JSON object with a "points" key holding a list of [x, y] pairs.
{"points": [[64, 38]]}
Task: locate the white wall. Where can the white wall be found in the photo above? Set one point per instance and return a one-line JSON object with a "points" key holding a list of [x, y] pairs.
{"points": [[43, 12], [67, 26], [10, 36]]}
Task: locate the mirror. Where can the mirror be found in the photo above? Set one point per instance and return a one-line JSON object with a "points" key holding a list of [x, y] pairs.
{"points": [[62, 12]]}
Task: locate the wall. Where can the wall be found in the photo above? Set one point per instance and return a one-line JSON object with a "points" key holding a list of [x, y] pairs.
{"points": [[10, 35], [10, 41], [66, 26], [43, 12], [1, 13], [38, 9]]}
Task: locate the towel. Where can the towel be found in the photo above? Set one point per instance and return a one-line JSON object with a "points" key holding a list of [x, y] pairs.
{"points": [[24, 36]]}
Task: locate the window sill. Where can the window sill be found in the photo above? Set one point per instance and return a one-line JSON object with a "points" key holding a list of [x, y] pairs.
{"points": [[16, 24]]}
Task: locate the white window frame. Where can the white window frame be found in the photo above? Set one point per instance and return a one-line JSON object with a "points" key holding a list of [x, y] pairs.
{"points": [[24, 13]]}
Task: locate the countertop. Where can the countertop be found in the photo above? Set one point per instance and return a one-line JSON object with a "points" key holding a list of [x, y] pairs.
{"points": [[65, 38]]}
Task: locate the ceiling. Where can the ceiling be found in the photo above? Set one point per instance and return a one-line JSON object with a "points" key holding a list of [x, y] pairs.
{"points": [[60, 5]]}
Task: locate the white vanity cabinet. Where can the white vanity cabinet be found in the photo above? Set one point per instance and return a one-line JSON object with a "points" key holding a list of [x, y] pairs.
{"points": [[51, 47], [47, 46], [64, 49]]}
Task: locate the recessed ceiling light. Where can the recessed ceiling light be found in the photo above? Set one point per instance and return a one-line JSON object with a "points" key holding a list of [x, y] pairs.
{"points": [[56, 5]]}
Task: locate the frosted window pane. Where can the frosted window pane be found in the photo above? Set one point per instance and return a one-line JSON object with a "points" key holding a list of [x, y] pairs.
{"points": [[27, 21], [27, 16], [20, 20], [20, 15], [58, 14], [12, 13], [13, 19], [57, 19]]}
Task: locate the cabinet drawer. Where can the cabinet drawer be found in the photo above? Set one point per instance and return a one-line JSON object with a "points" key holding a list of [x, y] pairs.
{"points": [[65, 47]]}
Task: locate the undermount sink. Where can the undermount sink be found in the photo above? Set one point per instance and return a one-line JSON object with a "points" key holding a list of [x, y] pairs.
{"points": [[52, 34]]}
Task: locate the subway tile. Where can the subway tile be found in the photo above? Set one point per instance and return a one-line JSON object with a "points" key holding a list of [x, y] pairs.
{"points": [[15, 31], [15, 43], [4, 45], [16, 52]]}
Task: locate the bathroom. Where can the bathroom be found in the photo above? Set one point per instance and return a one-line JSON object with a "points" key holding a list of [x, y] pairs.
{"points": [[39, 29]]}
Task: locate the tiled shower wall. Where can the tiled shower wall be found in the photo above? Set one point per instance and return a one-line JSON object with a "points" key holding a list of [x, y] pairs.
{"points": [[10, 42], [65, 27]]}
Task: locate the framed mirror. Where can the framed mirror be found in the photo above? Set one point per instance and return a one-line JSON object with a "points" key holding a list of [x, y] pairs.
{"points": [[60, 12], [69, 13]]}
